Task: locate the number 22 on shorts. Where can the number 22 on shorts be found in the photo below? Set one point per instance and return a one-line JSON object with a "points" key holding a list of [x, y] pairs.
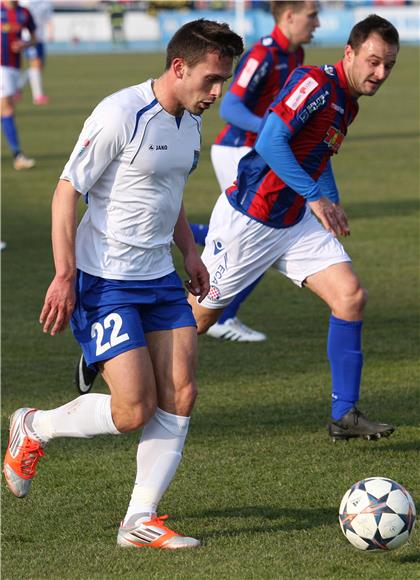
{"points": [[113, 321]]}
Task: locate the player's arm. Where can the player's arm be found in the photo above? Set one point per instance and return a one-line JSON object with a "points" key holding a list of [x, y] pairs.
{"points": [[30, 26], [273, 144], [248, 83], [199, 283], [234, 111], [60, 297], [329, 190]]}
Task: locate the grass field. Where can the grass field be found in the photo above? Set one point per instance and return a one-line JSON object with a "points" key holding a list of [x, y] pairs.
{"points": [[261, 481]]}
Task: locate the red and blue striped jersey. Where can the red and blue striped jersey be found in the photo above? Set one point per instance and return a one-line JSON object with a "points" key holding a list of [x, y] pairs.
{"points": [[259, 76], [317, 107], [13, 21]]}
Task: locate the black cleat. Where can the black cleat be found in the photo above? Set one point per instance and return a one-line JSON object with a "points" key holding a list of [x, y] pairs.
{"points": [[355, 424], [84, 376]]}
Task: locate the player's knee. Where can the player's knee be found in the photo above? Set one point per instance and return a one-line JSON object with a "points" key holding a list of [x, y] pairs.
{"points": [[133, 417], [352, 303]]}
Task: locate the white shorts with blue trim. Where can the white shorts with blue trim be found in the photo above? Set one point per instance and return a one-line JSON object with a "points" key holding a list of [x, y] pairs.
{"points": [[239, 250]]}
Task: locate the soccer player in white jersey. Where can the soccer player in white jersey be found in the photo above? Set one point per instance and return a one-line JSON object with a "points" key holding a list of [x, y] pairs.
{"points": [[116, 280]]}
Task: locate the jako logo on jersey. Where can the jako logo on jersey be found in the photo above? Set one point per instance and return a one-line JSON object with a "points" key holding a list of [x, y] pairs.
{"points": [[300, 93], [218, 247], [329, 70], [86, 144], [334, 138], [162, 147], [248, 71]]}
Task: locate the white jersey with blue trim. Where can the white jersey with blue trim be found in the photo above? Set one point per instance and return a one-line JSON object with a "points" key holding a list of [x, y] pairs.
{"points": [[131, 162]]}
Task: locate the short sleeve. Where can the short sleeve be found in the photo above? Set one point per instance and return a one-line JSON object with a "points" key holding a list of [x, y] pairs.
{"points": [[103, 137], [252, 73]]}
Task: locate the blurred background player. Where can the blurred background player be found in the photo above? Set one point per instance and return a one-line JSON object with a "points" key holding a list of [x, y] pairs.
{"points": [[115, 277], [260, 74], [267, 218], [14, 19], [42, 12]]}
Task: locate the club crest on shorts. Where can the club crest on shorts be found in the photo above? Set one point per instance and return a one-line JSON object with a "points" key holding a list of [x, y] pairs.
{"points": [[214, 294]]}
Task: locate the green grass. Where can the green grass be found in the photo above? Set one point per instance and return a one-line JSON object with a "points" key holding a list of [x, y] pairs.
{"points": [[260, 482]]}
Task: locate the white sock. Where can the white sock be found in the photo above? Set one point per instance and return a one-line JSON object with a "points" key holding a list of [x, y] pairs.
{"points": [[35, 80], [158, 456], [86, 416], [23, 79]]}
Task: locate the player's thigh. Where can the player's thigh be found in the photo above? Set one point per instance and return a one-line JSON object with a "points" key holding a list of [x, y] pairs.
{"points": [[310, 250], [225, 162], [174, 357], [131, 381], [238, 250], [9, 81]]}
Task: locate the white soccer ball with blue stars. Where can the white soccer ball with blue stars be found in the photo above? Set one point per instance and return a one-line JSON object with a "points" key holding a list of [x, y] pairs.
{"points": [[377, 513]]}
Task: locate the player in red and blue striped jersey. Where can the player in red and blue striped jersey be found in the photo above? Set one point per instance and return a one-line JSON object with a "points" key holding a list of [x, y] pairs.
{"points": [[260, 74], [267, 218], [14, 19]]}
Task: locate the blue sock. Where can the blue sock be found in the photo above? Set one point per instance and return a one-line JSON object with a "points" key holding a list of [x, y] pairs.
{"points": [[9, 129], [200, 232], [346, 360], [232, 308]]}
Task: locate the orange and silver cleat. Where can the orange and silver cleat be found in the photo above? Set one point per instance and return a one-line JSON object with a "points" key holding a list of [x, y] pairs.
{"points": [[22, 455], [141, 531]]}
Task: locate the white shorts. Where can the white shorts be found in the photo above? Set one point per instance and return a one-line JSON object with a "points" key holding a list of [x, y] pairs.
{"points": [[239, 249], [225, 162], [9, 81]]}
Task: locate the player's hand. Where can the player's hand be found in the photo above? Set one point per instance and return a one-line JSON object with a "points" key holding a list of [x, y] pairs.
{"points": [[331, 216], [199, 282], [58, 306], [17, 46]]}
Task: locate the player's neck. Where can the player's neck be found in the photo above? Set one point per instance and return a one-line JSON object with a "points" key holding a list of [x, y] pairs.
{"points": [[163, 90]]}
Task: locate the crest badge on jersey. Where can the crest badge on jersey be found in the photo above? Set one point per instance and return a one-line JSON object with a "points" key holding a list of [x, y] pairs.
{"points": [[334, 138]]}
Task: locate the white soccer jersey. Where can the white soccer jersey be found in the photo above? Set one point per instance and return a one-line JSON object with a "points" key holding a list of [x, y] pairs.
{"points": [[131, 161]]}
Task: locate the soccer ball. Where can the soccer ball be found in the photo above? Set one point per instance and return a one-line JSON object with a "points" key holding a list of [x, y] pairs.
{"points": [[377, 513]]}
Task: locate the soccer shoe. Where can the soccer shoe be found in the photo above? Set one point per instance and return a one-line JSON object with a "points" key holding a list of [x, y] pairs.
{"points": [[41, 100], [22, 455], [355, 424], [22, 162], [233, 329], [84, 376], [142, 532]]}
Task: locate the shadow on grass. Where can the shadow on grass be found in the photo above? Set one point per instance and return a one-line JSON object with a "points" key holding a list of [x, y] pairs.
{"points": [[272, 518]]}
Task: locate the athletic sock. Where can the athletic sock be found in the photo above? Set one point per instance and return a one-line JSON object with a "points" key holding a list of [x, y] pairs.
{"points": [[200, 232], [35, 80], [231, 309], [9, 129], [158, 456], [346, 361], [86, 416]]}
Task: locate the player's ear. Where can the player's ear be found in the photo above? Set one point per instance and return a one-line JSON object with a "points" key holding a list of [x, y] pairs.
{"points": [[178, 66], [348, 53]]}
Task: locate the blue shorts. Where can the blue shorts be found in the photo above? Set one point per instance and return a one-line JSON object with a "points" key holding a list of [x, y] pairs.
{"points": [[37, 51], [113, 316]]}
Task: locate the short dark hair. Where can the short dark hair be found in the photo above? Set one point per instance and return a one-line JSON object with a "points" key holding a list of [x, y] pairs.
{"points": [[277, 7], [199, 37], [373, 24]]}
